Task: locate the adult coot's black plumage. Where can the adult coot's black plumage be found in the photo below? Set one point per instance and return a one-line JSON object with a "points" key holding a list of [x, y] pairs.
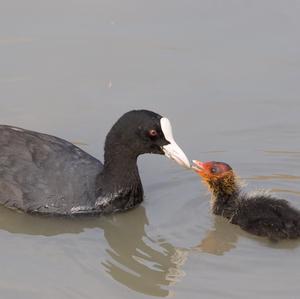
{"points": [[259, 214], [45, 174]]}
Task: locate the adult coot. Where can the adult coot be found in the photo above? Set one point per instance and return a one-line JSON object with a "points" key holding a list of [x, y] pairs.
{"points": [[43, 174], [259, 214]]}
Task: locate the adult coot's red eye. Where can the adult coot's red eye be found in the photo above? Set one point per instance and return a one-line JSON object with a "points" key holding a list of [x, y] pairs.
{"points": [[153, 133]]}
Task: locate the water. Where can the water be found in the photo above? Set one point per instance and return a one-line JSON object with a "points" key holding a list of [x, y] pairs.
{"points": [[227, 75]]}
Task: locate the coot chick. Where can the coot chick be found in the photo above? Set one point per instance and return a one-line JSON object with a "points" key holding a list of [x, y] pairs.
{"points": [[260, 214], [44, 174]]}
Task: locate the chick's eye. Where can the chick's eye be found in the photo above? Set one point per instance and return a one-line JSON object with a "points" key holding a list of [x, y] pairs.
{"points": [[152, 133], [214, 170]]}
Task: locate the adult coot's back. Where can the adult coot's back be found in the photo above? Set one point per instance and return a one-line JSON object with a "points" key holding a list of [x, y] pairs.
{"points": [[40, 173]]}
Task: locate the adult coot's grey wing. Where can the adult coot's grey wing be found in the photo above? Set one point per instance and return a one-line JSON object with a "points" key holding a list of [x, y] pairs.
{"points": [[44, 174]]}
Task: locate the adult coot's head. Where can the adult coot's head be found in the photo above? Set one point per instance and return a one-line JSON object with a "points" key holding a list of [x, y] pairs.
{"points": [[141, 131]]}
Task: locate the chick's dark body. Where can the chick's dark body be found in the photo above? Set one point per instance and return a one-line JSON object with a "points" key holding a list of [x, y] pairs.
{"points": [[262, 215], [267, 216]]}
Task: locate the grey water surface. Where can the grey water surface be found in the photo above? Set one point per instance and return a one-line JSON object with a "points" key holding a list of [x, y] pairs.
{"points": [[226, 73]]}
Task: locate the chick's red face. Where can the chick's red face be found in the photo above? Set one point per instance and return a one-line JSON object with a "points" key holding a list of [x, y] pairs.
{"points": [[211, 169]]}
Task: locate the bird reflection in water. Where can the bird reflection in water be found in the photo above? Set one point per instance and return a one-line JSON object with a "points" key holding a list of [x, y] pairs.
{"points": [[138, 261], [131, 257], [224, 237], [221, 239]]}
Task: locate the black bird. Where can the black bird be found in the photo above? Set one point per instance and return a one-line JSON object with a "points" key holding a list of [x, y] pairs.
{"points": [[259, 214], [44, 174]]}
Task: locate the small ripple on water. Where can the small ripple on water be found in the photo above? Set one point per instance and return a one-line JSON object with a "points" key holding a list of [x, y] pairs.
{"points": [[282, 177], [284, 153], [15, 40]]}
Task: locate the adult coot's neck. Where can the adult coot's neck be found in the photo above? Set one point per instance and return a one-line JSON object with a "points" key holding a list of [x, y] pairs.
{"points": [[118, 186], [225, 195]]}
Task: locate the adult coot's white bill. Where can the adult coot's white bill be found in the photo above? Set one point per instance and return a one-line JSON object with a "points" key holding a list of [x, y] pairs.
{"points": [[43, 174]]}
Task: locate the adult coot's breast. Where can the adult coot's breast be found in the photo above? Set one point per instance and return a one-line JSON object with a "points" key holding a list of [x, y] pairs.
{"points": [[45, 174]]}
